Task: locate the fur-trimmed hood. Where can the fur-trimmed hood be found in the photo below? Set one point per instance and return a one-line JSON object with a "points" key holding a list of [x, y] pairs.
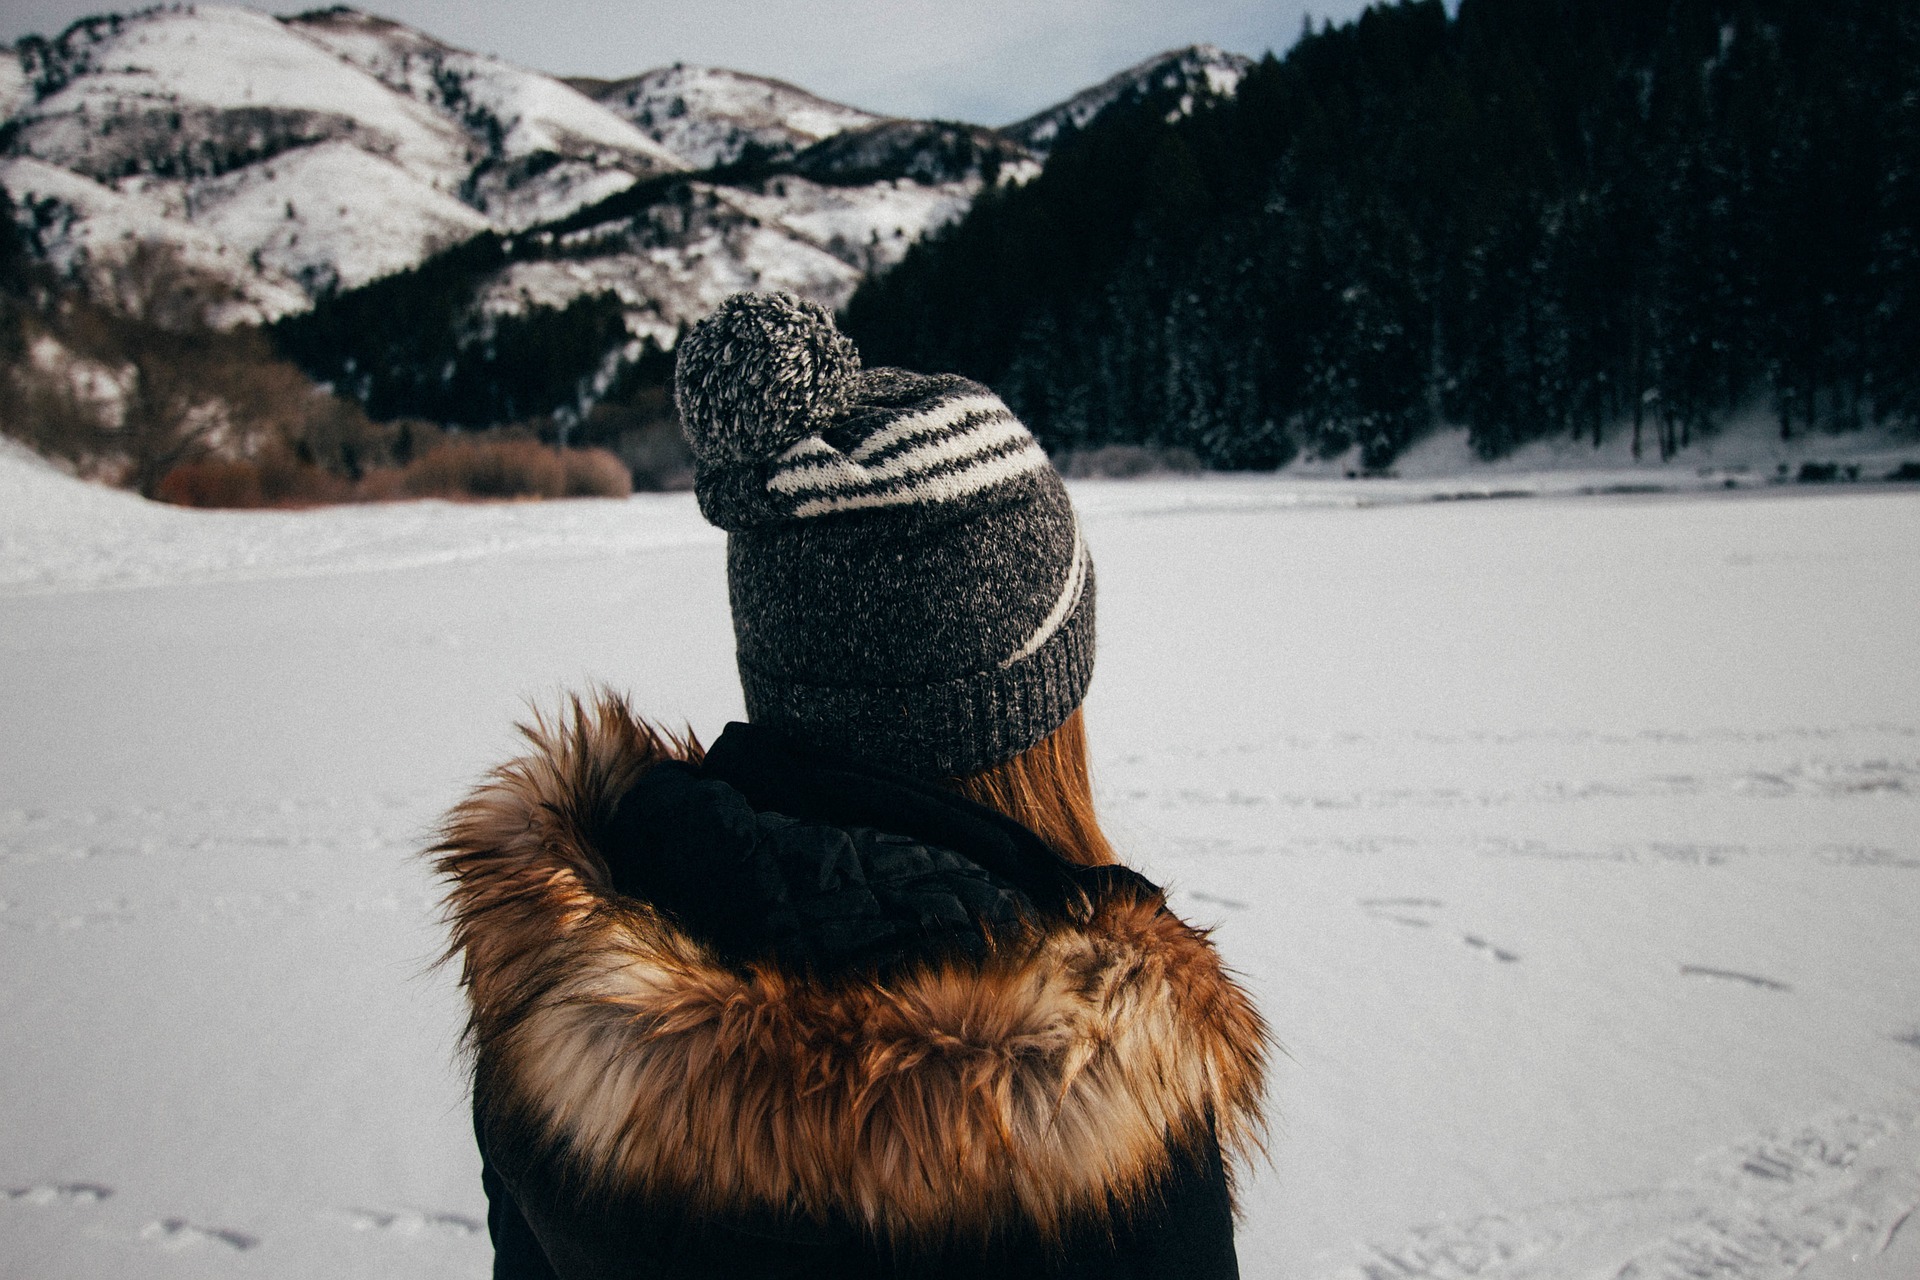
{"points": [[1052, 1083]]}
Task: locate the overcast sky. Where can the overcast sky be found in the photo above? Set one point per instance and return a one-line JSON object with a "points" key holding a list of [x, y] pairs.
{"points": [[989, 61]]}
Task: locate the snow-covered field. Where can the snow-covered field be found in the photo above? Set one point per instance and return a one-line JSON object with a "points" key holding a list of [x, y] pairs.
{"points": [[1571, 844]]}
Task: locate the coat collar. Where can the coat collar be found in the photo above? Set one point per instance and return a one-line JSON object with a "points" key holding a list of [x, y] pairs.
{"points": [[1053, 1083]]}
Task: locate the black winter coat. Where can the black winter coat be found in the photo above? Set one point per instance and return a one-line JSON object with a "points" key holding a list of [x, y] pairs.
{"points": [[765, 1014]]}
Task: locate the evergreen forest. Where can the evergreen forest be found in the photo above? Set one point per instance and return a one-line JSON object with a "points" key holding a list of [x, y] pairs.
{"points": [[1529, 217]]}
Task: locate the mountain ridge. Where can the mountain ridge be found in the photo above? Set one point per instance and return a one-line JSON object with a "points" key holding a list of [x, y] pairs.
{"points": [[439, 234], [230, 136]]}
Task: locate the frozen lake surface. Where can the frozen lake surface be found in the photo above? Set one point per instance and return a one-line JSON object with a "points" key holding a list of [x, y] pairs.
{"points": [[1572, 845]]}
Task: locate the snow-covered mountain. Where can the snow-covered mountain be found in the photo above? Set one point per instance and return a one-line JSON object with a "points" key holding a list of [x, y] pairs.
{"points": [[815, 196], [1191, 73], [293, 156], [544, 148], [929, 151], [123, 125], [673, 260], [296, 157], [711, 116]]}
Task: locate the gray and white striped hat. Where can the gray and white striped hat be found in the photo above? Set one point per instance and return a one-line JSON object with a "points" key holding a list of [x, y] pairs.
{"points": [[908, 580]]}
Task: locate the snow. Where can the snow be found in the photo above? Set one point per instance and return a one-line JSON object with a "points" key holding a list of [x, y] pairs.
{"points": [[542, 114], [870, 226], [1569, 843], [332, 215], [708, 115], [214, 80], [536, 112], [514, 203], [293, 156], [229, 58], [1198, 66], [513, 114], [60, 535], [366, 130], [15, 92], [674, 263], [96, 226], [1747, 452]]}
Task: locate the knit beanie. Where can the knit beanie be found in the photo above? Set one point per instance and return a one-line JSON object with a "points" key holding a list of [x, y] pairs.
{"points": [[908, 583]]}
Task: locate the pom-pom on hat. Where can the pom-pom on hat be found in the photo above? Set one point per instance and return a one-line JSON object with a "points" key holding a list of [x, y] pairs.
{"points": [[908, 581], [754, 377]]}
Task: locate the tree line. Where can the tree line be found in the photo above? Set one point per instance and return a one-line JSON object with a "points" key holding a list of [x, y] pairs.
{"points": [[1533, 217]]}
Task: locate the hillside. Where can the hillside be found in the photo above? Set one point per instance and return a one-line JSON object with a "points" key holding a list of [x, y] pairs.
{"points": [[785, 210], [293, 157], [1181, 78], [712, 116]]}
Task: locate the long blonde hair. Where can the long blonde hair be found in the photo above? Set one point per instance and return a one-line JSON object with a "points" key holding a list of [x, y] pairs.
{"points": [[1048, 789]]}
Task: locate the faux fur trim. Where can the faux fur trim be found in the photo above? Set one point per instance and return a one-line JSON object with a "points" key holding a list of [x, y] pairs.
{"points": [[1054, 1085]]}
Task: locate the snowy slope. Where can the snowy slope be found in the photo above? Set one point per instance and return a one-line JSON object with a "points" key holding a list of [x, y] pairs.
{"points": [[1576, 875], [872, 193], [216, 126], [325, 151], [547, 149], [332, 215], [189, 93], [674, 262], [870, 226], [59, 534], [82, 225], [15, 91], [927, 151], [709, 116], [43, 506], [318, 152], [1191, 72]]}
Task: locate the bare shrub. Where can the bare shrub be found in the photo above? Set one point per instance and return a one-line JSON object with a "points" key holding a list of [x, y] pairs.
{"points": [[132, 383], [462, 470], [595, 473], [410, 438], [388, 484], [127, 377], [276, 480], [286, 481], [212, 482], [488, 469], [504, 469]]}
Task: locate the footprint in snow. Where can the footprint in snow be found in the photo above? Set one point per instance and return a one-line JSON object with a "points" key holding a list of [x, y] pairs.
{"points": [[43, 1194], [1231, 904], [412, 1222], [1390, 909], [1761, 1210], [1498, 954], [177, 1234], [1732, 975]]}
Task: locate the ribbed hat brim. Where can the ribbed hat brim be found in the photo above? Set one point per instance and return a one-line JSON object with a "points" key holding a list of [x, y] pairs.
{"points": [[938, 730]]}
